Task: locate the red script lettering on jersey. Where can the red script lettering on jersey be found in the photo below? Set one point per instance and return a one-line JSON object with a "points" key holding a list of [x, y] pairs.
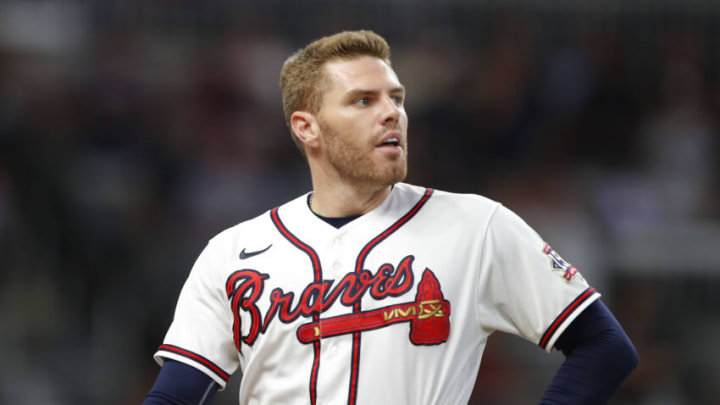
{"points": [[245, 287]]}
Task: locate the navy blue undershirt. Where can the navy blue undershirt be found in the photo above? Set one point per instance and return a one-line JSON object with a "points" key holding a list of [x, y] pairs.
{"points": [[336, 222], [180, 384], [598, 357]]}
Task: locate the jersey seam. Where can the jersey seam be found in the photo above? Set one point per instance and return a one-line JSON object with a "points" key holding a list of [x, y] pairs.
{"points": [[207, 393], [482, 256]]}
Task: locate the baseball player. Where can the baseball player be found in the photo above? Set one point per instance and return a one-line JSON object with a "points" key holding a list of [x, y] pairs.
{"points": [[368, 290]]}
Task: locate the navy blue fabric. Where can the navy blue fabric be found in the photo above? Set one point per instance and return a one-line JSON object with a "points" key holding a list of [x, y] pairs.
{"points": [[180, 384], [599, 355], [336, 222]]}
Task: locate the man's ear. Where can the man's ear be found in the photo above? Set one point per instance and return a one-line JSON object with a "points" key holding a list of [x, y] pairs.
{"points": [[306, 128]]}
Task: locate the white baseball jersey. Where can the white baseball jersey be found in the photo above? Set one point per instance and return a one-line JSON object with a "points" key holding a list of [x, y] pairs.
{"points": [[394, 307]]}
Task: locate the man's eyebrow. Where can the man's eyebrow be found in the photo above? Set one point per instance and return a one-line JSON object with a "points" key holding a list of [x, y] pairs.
{"points": [[360, 92], [363, 92]]}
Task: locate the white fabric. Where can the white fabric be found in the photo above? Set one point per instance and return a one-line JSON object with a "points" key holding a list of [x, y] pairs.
{"points": [[492, 268]]}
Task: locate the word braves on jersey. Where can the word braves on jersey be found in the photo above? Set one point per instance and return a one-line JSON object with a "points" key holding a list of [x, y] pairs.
{"points": [[394, 307]]}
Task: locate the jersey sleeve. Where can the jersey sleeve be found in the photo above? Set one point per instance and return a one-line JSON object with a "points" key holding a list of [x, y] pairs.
{"points": [[201, 331], [525, 287]]}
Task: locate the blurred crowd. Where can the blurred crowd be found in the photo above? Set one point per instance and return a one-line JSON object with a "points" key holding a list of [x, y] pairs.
{"points": [[131, 132]]}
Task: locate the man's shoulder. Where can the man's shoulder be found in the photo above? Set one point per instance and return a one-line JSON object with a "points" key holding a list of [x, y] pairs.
{"points": [[254, 227], [451, 200]]}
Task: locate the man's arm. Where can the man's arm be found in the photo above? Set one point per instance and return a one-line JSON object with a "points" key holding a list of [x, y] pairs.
{"points": [[180, 384], [599, 356]]}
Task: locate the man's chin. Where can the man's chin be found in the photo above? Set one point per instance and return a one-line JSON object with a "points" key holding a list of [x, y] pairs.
{"points": [[396, 176], [377, 176]]}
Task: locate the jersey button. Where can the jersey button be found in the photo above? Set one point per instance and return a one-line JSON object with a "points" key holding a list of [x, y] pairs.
{"points": [[337, 266]]}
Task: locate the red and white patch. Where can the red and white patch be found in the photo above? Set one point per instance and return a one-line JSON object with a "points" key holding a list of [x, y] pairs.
{"points": [[559, 265]]}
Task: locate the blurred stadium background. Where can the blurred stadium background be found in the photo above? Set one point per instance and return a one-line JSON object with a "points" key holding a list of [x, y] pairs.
{"points": [[131, 131]]}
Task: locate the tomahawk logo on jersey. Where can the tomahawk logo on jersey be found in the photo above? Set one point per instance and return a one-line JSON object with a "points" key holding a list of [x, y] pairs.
{"points": [[243, 287], [318, 315]]}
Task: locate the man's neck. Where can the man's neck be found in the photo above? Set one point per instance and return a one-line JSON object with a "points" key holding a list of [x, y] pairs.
{"points": [[342, 200]]}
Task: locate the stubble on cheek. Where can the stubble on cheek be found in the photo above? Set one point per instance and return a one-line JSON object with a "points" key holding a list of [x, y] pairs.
{"points": [[354, 161]]}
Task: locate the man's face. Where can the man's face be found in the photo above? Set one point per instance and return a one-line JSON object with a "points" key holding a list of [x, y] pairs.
{"points": [[363, 121]]}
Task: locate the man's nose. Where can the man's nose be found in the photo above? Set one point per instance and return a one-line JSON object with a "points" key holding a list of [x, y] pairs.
{"points": [[391, 111]]}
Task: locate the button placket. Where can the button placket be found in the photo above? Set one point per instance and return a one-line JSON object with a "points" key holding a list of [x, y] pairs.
{"points": [[337, 248]]}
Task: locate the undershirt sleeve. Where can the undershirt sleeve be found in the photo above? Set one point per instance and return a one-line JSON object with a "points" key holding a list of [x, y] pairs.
{"points": [[181, 384], [599, 356]]}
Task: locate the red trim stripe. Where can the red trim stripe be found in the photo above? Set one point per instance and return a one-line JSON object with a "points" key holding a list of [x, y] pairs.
{"points": [[196, 357], [298, 243], [314, 372], [564, 315], [317, 272], [359, 264], [400, 222]]}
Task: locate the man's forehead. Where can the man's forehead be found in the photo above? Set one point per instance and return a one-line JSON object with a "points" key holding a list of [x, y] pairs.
{"points": [[350, 74]]}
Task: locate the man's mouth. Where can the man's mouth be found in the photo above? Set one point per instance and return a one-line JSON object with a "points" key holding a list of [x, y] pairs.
{"points": [[391, 142], [391, 139]]}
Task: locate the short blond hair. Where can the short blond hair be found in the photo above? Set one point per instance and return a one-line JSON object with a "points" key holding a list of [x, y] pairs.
{"points": [[301, 78]]}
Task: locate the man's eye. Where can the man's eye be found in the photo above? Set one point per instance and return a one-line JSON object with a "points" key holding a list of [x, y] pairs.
{"points": [[363, 101], [398, 100]]}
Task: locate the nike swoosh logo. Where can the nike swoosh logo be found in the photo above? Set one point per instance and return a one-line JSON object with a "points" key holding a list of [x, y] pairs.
{"points": [[244, 255]]}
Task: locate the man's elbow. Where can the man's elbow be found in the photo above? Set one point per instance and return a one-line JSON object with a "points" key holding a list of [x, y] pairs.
{"points": [[629, 354], [623, 355]]}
